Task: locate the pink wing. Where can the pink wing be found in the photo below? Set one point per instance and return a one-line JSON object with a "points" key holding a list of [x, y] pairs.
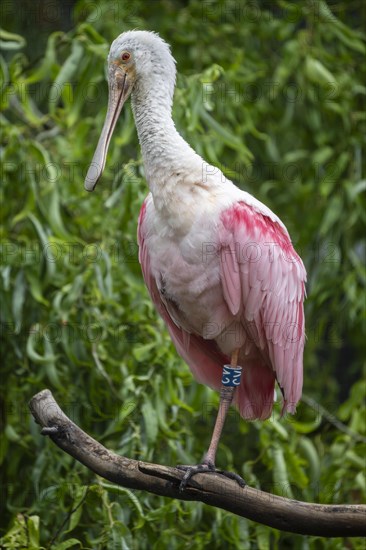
{"points": [[263, 286], [203, 356], [263, 282]]}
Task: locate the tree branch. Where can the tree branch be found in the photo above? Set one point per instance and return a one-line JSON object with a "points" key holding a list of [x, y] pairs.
{"points": [[272, 510]]}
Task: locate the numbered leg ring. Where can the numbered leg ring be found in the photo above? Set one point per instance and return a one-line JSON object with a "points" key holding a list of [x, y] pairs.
{"points": [[231, 376]]}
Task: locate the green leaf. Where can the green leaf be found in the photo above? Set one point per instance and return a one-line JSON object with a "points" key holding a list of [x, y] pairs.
{"points": [[230, 139], [49, 61], [280, 476], [35, 286], [263, 537], [46, 252], [70, 543], [306, 427], [35, 336], [317, 73], [279, 429], [332, 215], [11, 434], [11, 41], [358, 188], [308, 450], [19, 297], [141, 352], [150, 420], [33, 531], [66, 73]]}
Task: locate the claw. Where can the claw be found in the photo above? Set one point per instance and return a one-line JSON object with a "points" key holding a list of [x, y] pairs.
{"points": [[205, 468], [233, 476], [190, 471]]}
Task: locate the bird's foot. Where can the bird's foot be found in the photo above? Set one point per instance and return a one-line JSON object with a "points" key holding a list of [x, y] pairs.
{"points": [[206, 467]]}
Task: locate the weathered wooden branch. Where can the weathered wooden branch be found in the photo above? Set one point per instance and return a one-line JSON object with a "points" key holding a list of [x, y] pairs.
{"points": [[275, 511]]}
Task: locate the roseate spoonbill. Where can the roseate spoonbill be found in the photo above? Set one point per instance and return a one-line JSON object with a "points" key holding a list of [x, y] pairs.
{"points": [[219, 265]]}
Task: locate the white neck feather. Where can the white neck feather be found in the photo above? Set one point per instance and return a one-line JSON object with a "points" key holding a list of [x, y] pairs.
{"points": [[166, 155]]}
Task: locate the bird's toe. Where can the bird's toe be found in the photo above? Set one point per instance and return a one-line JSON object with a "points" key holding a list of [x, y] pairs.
{"points": [[232, 475], [205, 468], [191, 471]]}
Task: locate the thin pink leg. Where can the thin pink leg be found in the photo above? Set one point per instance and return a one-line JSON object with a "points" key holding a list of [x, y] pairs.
{"points": [[226, 398]]}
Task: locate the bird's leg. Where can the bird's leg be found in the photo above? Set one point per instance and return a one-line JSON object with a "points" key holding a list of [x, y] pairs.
{"points": [[226, 398], [230, 380]]}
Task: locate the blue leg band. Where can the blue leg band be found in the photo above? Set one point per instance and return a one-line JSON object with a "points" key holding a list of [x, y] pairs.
{"points": [[231, 376]]}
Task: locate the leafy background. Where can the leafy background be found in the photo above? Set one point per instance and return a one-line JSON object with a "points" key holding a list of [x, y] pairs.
{"points": [[274, 94]]}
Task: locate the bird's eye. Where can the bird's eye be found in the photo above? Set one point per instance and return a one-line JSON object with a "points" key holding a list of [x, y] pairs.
{"points": [[125, 56]]}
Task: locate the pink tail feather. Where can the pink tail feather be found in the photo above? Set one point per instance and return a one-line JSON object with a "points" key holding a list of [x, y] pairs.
{"points": [[255, 395]]}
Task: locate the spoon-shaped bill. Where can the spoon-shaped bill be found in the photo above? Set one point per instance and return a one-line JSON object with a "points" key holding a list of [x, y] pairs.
{"points": [[118, 93]]}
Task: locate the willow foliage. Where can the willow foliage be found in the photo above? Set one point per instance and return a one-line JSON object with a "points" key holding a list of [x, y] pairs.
{"points": [[274, 94]]}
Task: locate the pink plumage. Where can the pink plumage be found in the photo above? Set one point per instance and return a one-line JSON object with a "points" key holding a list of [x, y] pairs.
{"points": [[260, 293], [219, 265]]}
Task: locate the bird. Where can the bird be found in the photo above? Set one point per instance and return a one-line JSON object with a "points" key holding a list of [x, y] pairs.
{"points": [[219, 265]]}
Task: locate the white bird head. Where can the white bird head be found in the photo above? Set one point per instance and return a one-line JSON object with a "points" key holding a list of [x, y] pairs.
{"points": [[138, 62]]}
